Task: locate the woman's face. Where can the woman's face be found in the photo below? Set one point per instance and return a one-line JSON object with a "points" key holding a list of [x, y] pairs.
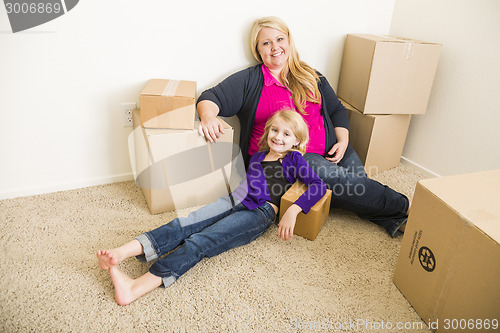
{"points": [[273, 47]]}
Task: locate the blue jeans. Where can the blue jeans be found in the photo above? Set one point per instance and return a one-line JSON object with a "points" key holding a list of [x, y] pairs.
{"points": [[354, 191], [206, 232]]}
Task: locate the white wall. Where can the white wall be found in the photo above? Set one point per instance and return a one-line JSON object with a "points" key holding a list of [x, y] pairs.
{"points": [[460, 132], [62, 83]]}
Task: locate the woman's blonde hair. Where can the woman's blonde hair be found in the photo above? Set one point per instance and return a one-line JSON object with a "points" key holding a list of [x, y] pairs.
{"points": [[297, 125], [299, 77]]}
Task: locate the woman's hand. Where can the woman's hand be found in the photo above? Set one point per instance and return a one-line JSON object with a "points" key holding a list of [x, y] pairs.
{"points": [[337, 152], [210, 126], [287, 223], [211, 129]]}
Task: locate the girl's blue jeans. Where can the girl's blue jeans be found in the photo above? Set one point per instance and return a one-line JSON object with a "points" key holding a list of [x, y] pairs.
{"points": [[354, 191], [206, 232]]}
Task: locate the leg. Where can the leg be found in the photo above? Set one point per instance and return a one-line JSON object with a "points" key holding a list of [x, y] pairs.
{"points": [[164, 239], [352, 164], [239, 228], [352, 190]]}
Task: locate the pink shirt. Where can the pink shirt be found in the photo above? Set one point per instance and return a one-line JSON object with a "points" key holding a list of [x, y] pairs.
{"points": [[276, 97]]}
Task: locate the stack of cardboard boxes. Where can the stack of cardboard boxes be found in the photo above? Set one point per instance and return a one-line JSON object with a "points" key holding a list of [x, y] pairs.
{"points": [[449, 262], [175, 166], [383, 81]]}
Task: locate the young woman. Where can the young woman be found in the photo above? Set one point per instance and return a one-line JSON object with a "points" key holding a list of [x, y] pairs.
{"points": [[221, 226], [282, 80]]}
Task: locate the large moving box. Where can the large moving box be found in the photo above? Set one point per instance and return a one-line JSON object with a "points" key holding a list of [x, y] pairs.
{"points": [[178, 169], [387, 75], [307, 225], [377, 139], [168, 104], [449, 263]]}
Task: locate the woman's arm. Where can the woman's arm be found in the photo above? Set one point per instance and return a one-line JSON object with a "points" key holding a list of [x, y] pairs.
{"points": [[340, 120], [210, 126], [225, 99]]}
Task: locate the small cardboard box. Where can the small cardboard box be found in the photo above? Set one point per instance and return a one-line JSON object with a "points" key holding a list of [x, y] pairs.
{"points": [[168, 104], [307, 225], [177, 169], [449, 263], [377, 139], [387, 75]]}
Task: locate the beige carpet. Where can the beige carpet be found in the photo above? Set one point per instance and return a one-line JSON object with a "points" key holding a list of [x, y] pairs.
{"points": [[50, 281]]}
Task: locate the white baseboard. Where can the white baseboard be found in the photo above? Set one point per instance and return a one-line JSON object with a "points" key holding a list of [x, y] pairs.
{"points": [[65, 187], [425, 171], [129, 176]]}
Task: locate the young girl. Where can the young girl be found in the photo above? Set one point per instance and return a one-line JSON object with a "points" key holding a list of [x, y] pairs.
{"points": [[221, 226]]}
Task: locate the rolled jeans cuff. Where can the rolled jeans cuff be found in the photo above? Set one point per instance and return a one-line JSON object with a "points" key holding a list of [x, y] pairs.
{"points": [[149, 251]]}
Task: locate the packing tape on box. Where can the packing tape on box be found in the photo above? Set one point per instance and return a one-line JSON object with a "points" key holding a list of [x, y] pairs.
{"points": [[408, 50], [171, 88]]}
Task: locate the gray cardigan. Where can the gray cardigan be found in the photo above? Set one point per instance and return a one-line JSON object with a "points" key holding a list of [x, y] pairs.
{"points": [[239, 95]]}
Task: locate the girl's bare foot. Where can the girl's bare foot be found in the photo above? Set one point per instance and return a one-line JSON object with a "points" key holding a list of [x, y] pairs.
{"points": [[106, 259], [127, 289]]}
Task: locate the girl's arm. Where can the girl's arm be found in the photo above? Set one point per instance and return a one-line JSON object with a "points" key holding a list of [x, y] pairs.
{"points": [[287, 222], [316, 189]]}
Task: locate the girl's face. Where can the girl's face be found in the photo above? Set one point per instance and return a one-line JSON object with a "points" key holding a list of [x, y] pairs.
{"points": [[273, 47], [281, 137]]}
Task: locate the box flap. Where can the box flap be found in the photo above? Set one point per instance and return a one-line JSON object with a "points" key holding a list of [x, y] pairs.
{"points": [[160, 131], [163, 87], [473, 196], [391, 39], [154, 87]]}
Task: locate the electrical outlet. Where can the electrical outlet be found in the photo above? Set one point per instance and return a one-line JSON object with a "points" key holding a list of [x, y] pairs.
{"points": [[127, 109]]}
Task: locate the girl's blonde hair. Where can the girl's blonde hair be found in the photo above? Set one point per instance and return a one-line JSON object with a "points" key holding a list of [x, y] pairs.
{"points": [[300, 78], [297, 125]]}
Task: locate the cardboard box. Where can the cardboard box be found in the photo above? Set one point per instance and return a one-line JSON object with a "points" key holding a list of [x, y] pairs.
{"points": [[449, 263], [387, 75], [178, 168], [307, 225], [378, 140], [168, 104]]}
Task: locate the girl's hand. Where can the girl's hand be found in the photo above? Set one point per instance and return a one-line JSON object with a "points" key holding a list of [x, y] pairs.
{"points": [[287, 223], [337, 152]]}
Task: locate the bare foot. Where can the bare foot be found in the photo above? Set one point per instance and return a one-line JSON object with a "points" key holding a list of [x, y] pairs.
{"points": [[109, 258], [106, 259], [127, 289], [123, 286]]}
